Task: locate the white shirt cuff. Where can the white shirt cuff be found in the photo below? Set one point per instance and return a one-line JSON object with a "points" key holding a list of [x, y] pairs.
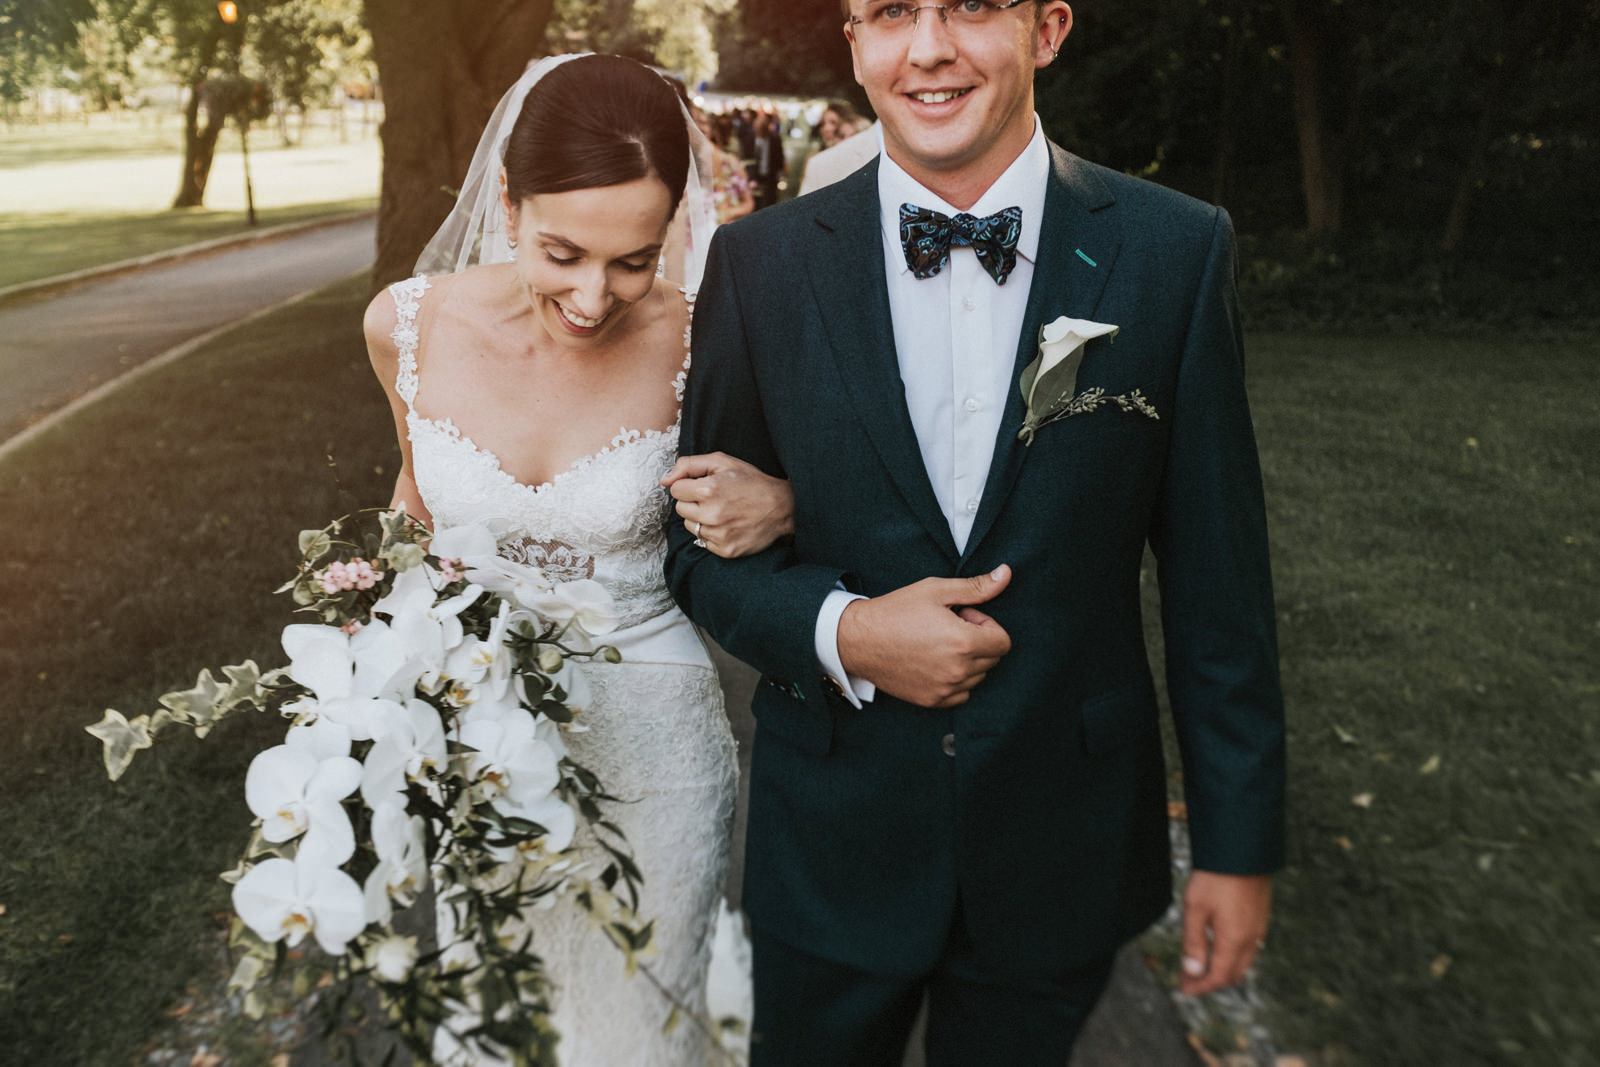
{"points": [[856, 690]]}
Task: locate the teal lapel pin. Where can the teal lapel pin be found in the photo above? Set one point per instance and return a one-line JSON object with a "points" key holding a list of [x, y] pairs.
{"points": [[1085, 258]]}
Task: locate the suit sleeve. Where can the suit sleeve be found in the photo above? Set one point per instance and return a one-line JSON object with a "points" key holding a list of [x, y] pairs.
{"points": [[762, 608], [1209, 536]]}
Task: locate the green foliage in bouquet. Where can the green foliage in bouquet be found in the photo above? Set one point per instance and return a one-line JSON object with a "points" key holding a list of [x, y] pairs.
{"points": [[426, 707]]}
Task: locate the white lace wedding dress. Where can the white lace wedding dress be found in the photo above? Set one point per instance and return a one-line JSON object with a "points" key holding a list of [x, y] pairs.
{"points": [[657, 734]]}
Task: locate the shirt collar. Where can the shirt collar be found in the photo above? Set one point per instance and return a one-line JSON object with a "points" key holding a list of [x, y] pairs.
{"points": [[1022, 184]]}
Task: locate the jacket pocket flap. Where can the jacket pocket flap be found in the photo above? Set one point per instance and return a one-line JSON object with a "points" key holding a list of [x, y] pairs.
{"points": [[1119, 716]]}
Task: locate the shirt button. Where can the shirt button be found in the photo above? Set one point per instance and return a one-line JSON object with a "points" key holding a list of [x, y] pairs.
{"points": [[948, 744], [972, 507], [970, 304], [972, 404]]}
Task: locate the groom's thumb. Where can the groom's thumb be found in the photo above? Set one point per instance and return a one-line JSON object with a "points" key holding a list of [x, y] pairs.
{"points": [[986, 587]]}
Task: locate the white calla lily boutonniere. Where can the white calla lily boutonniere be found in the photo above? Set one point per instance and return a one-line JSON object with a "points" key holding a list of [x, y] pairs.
{"points": [[1049, 383]]}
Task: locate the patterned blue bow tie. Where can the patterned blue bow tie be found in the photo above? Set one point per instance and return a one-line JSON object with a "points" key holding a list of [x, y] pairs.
{"points": [[927, 237]]}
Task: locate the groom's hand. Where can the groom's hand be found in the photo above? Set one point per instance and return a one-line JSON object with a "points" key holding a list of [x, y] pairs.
{"points": [[925, 643], [1224, 926]]}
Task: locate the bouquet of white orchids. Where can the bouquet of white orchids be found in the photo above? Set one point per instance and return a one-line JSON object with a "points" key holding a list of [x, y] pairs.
{"points": [[427, 709]]}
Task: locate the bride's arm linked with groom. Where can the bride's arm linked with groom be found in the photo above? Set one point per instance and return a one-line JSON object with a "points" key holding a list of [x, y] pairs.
{"points": [[958, 788]]}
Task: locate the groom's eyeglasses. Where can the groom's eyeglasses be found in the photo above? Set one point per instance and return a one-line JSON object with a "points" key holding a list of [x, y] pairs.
{"points": [[892, 18]]}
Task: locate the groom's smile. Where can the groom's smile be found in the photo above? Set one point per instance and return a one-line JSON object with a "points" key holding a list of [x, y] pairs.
{"points": [[956, 98]]}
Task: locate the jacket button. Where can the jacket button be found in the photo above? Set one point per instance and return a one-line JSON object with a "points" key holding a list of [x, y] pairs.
{"points": [[948, 744]]}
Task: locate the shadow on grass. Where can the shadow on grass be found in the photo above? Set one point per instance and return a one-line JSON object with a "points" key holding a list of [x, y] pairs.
{"points": [[144, 537]]}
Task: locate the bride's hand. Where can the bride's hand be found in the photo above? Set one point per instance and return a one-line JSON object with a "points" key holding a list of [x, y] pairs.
{"points": [[731, 507]]}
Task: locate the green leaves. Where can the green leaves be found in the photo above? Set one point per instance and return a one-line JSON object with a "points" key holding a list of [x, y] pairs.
{"points": [[122, 739]]}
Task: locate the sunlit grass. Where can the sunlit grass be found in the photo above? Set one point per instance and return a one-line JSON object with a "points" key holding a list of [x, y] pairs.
{"points": [[80, 196]]}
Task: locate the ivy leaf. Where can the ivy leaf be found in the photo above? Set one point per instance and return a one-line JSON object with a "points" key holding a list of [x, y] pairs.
{"points": [[121, 738]]}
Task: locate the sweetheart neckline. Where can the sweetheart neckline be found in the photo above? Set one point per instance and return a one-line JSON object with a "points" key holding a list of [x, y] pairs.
{"points": [[622, 440]]}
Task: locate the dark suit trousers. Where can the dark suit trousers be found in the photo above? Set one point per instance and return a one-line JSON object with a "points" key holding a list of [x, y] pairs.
{"points": [[812, 1012]]}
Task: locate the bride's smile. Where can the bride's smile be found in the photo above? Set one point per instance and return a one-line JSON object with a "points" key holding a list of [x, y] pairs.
{"points": [[587, 256]]}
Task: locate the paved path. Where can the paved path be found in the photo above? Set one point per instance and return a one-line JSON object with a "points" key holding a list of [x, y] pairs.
{"points": [[58, 346]]}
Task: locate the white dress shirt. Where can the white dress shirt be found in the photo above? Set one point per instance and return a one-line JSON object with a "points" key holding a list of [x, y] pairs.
{"points": [[955, 337]]}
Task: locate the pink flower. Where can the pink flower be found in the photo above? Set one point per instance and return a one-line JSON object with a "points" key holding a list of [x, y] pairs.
{"points": [[351, 628], [357, 574], [451, 569]]}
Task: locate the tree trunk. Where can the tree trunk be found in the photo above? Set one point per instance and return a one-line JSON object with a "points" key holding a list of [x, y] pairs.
{"points": [[199, 143], [1321, 149], [443, 67], [199, 149]]}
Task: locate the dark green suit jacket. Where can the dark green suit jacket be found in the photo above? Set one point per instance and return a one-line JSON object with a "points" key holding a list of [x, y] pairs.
{"points": [[1048, 824]]}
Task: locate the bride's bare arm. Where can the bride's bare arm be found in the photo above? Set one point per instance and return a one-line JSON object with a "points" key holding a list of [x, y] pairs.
{"points": [[730, 505], [378, 325]]}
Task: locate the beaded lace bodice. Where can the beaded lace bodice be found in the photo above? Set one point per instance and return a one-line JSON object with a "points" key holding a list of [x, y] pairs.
{"points": [[602, 518]]}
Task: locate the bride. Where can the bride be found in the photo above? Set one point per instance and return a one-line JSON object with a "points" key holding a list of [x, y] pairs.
{"points": [[535, 390]]}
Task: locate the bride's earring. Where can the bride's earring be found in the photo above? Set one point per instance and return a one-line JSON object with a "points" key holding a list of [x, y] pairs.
{"points": [[511, 249], [661, 266]]}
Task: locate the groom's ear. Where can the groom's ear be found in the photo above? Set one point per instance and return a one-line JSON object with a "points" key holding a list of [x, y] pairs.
{"points": [[1055, 22]]}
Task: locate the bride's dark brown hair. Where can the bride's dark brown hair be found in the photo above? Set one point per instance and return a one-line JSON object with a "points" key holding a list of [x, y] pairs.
{"points": [[597, 121]]}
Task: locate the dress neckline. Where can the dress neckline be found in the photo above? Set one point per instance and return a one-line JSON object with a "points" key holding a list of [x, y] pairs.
{"points": [[407, 295], [624, 438]]}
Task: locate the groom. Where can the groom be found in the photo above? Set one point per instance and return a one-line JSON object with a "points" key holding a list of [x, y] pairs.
{"points": [[958, 788]]}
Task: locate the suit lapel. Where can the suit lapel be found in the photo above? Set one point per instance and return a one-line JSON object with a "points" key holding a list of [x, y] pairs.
{"points": [[1078, 245], [844, 259]]}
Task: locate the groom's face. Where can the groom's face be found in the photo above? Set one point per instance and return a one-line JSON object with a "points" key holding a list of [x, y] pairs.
{"points": [[955, 95]]}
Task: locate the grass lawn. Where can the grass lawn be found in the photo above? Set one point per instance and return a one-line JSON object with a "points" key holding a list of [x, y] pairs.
{"points": [[1435, 511], [1434, 520], [146, 535], [80, 196]]}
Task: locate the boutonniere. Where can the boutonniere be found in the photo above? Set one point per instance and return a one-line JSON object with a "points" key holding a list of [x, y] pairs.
{"points": [[1048, 382]]}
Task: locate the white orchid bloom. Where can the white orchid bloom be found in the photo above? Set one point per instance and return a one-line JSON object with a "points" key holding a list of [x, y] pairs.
{"points": [[413, 745], [552, 813], [282, 898], [293, 793], [392, 958], [466, 543], [575, 684], [402, 868], [510, 760], [585, 603], [479, 666], [318, 735], [428, 628], [372, 662]]}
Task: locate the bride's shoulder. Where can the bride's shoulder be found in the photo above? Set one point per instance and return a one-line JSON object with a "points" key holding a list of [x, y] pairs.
{"points": [[378, 325]]}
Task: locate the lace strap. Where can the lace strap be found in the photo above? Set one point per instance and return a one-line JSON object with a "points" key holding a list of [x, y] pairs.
{"points": [[682, 380], [407, 298]]}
